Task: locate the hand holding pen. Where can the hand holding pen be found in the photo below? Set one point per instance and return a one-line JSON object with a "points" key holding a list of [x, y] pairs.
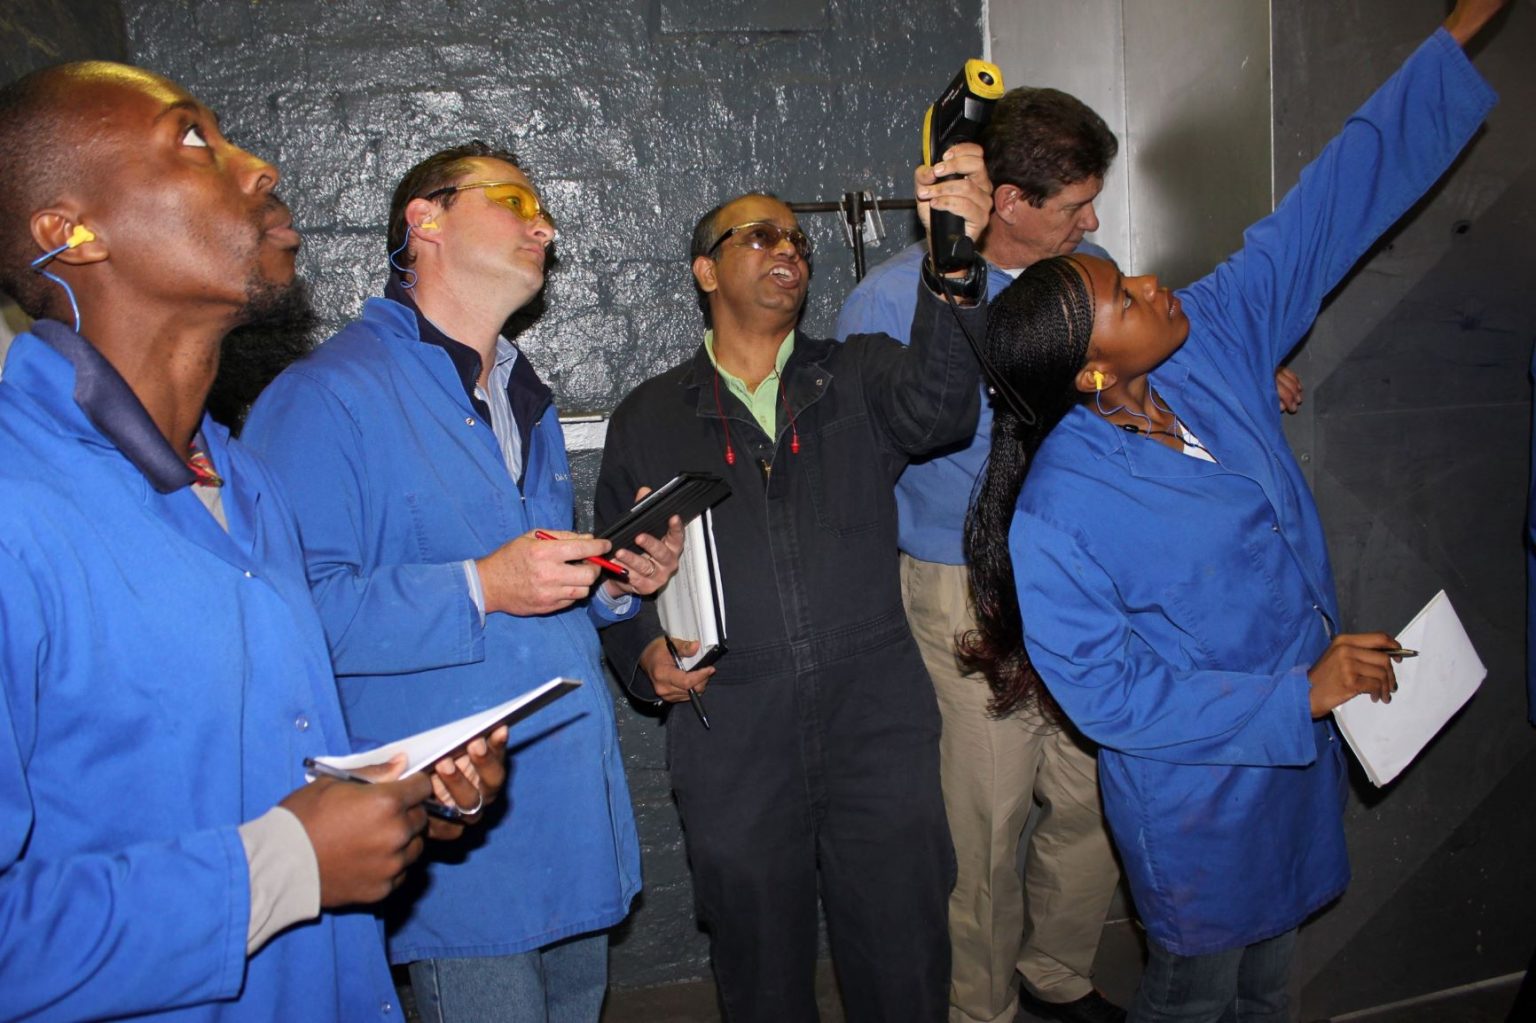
{"points": [[540, 572], [661, 662], [693, 691], [364, 836], [1354, 664], [655, 562], [592, 559]]}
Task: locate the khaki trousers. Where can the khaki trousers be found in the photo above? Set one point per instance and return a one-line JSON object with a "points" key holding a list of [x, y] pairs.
{"points": [[994, 772]]}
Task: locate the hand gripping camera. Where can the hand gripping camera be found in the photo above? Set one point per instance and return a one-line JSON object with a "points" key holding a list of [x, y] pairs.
{"points": [[959, 115]]}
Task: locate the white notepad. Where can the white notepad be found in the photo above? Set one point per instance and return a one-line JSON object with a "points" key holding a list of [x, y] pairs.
{"points": [[426, 748], [691, 605], [1431, 688]]}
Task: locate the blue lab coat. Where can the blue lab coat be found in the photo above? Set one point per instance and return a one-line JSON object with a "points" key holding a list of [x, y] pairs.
{"points": [[161, 681], [1173, 607], [396, 478]]}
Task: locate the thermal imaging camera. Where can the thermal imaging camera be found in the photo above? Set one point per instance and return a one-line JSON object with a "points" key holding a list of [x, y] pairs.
{"points": [[959, 115]]}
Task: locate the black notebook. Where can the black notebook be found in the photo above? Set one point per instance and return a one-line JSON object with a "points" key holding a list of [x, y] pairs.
{"points": [[684, 495]]}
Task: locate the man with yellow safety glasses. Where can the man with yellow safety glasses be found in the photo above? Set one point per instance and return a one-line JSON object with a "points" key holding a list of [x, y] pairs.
{"points": [[428, 469]]}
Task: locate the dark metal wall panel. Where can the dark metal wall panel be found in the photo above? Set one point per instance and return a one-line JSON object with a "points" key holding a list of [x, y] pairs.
{"points": [[1197, 133], [1079, 48], [633, 118], [1416, 433], [1185, 87], [1450, 921]]}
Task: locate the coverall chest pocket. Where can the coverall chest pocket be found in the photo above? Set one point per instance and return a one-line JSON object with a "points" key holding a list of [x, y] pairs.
{"points": [[1229, 606], [442, 529], [844, 474]]}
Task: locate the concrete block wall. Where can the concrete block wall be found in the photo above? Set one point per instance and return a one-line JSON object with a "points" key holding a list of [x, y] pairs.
{"points": [[633, 117]]}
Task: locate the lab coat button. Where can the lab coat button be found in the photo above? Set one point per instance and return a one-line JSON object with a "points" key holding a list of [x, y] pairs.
{"points": [[301, 723], [386, 1007], [249, 576], [1274, 527], [469, 420]]}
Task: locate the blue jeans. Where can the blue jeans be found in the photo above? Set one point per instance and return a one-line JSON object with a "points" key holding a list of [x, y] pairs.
{"points": [[560, 983], [1241, 985]]}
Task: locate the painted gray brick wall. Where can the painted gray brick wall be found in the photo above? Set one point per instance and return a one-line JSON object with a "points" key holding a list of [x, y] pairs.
{"points": [[36, 33], [633, 118]]}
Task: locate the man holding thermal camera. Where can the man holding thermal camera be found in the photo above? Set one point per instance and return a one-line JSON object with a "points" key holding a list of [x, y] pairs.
{"points": [[820, 764], [428, 471], [1047, 154]]}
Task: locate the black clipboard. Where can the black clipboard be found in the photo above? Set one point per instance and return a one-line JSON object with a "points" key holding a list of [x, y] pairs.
{"points": [[684, 495]]}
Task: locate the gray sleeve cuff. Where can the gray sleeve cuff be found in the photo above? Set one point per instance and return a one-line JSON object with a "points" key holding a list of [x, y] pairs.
{"points": [[476, 588], [615, 608], [285, 876]]}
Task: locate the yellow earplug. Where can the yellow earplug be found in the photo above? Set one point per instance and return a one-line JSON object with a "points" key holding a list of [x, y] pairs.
{"points": [[79, 236], [1098, 380], [429, 225]]}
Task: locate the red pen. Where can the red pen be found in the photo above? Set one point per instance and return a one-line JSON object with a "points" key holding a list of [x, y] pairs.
{"points": [[612, 566]]}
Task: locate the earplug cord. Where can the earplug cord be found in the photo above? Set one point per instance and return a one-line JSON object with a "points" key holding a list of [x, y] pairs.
{"points": [[79, 236], [407, 275], [996, 385]]}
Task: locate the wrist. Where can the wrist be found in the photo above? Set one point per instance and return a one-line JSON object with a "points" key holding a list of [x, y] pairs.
{"points": [[969, 287], [654, 649], [1464, 25], [649, 664], [481, 589]]}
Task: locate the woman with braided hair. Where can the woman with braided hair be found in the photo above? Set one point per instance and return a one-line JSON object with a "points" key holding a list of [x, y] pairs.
{"points": [[1165, 580]]}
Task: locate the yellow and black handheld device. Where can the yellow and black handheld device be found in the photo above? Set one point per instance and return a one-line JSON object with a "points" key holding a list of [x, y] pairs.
{"points": [[959, 115]]}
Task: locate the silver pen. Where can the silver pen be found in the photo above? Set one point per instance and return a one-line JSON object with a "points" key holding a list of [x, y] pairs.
{"points": [[441, 811]]}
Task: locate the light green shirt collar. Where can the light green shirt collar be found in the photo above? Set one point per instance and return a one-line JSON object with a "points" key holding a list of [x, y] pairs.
{"points": [[762, 403]]}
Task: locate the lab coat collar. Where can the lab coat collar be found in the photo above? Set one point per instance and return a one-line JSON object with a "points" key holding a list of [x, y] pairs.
{"points": [[112, 407]]}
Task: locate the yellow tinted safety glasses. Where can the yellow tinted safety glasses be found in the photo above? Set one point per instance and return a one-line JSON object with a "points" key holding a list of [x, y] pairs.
{"points": [[514, 195]]}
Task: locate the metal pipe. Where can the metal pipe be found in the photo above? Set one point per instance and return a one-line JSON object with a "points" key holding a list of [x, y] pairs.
{"points": [[852, 207]]}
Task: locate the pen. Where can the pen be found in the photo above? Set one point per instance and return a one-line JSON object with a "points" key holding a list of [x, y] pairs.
{"points": [[314, 766], [693, 697], [612, 566], [1400, 652], [432, 806]]}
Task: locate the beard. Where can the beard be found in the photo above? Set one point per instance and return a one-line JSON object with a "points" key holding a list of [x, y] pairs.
{"points": [[269, 303], [278, 328]]}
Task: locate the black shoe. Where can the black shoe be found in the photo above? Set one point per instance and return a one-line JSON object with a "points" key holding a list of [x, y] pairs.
{"points": [[1091, 1008]]}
